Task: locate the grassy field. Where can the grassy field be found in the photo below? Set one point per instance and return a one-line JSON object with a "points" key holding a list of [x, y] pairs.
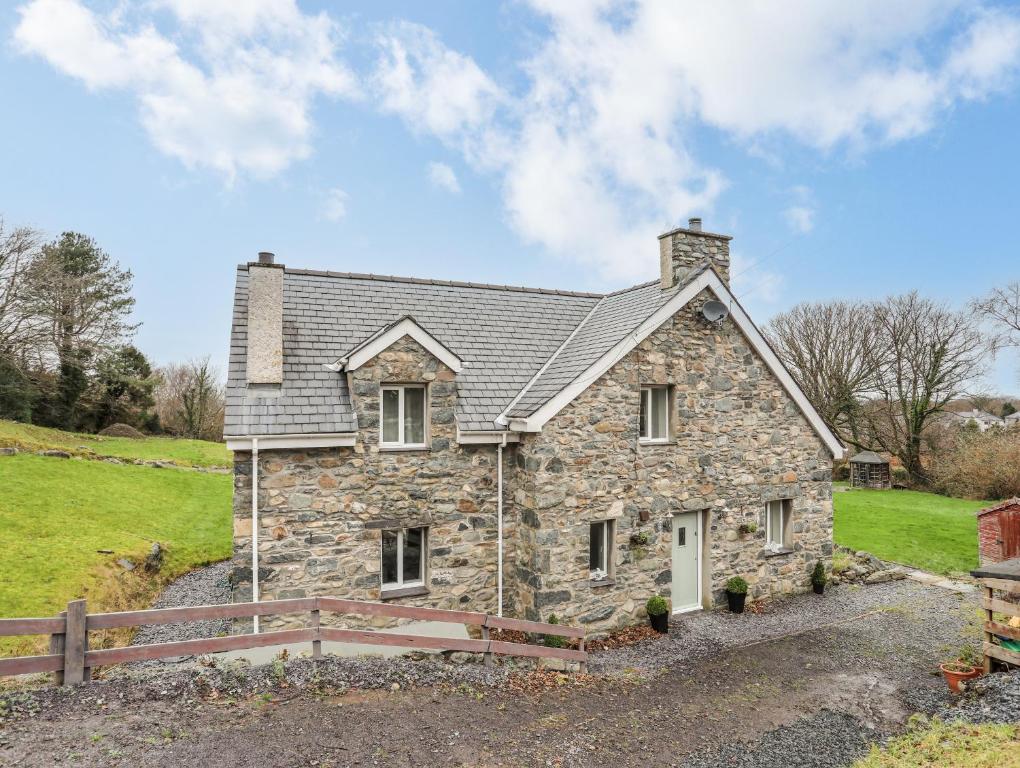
{"points": [[927, 531], [187, 453], [56, 514]]}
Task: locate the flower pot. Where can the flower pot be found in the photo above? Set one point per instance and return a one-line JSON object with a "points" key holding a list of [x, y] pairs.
{"points": [[956, 673], [818, 588], [735, 601], [659, 622]]}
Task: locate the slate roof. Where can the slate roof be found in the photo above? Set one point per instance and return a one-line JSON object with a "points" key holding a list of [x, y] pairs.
{"points": [[868, 457], [516, 343]]}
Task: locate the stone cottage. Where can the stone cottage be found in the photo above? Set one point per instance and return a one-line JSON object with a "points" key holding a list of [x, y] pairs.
{"points": [[519, 451]]}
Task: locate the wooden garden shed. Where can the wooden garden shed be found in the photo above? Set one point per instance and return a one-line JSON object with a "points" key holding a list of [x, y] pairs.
{"points": [[869, 470], [999, 532]]}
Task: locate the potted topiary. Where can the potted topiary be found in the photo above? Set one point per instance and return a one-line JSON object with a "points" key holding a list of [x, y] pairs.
{"points": [[957, 671], [658, 613], [818, 578], [736, 594]]}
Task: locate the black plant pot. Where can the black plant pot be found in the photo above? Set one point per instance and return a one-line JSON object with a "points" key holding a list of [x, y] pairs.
{"points": [[735, 601], [660, 622], [819, 588]]}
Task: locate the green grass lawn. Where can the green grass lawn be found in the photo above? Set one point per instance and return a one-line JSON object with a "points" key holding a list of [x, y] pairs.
{"points": [[927, 531], [949, 745], [189, 453], [56, 513]]}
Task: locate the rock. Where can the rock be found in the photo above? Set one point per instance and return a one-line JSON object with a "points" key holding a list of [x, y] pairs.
{"points": [[104, 551], [879, 577], [56, 454], [126, 564], [154, 560], [11, 451]]}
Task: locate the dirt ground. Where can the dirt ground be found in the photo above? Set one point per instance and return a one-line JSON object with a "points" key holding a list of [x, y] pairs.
{"points": [[858, 667]]}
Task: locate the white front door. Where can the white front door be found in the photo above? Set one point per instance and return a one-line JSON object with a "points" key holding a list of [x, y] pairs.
{"points": [[686, 565]]}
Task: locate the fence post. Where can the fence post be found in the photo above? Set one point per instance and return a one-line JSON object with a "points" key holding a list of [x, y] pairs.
{"points": [[316, 643], [487, 656], [76, 643], [57, 649], [989, 616], [583, 666]]}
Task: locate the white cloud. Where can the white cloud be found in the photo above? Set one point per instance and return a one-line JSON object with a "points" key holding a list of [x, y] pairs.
{"points": [[595, 153], [334, 204], [230, 88], [442, 176], [800, 218]]}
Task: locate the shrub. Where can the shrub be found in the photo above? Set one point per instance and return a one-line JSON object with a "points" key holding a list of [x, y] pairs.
{"points": [[746, 528], [553, 641], [736, 586], [981, 465], [900, 476], [841, 472], [657, 605], [818, 574]]}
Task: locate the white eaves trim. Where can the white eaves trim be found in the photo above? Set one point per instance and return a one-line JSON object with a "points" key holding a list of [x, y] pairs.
{"points": [[710, 280], [406, 327], [279, 442], [491, 437]]}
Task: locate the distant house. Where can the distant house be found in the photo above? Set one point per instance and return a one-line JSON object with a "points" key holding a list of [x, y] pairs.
{"points": [[869, 470], [982, 419], [1012, 421], [999, 532]]}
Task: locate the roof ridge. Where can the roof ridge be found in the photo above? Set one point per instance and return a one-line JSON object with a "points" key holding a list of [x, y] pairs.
{"points": [[633, 288], [446, 283], [517, 398]]}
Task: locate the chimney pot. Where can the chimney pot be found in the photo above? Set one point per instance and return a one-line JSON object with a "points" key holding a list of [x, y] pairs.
{"points": [[265, 257], [692, 224]]}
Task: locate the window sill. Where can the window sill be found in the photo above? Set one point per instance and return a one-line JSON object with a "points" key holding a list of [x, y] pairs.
{"points": [[653, 443], [777, 553], [395, 592], [404, 448], [602, 583]]}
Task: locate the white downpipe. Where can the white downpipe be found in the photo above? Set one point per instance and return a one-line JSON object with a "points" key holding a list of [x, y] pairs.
{"points": [[499, 526], [255, 526]]}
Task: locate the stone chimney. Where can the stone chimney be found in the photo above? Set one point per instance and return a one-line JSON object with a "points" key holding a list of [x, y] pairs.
{"points": [[684, 250], [265, 321]]}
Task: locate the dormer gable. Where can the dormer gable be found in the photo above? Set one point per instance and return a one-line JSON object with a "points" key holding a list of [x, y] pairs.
{"points": [[386, 337]]}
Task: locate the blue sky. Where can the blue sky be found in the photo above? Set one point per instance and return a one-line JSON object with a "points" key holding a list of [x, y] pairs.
{"points": [[853, 150]]}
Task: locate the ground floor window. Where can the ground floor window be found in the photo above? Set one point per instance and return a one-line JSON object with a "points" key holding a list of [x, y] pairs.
{"points": [[600, 547], [777, 523], [403, 558]]}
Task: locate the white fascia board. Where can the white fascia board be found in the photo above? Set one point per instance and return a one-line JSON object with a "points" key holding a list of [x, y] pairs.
{"points": [[278, 442], [406, 327], [711, 281], [493, 437]]}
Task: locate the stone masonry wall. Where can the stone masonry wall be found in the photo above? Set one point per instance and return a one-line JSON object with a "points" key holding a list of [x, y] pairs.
{"points": [[323, 510], [739, 441]]}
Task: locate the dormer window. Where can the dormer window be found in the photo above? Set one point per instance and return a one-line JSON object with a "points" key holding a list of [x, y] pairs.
{"points": [[403, 417], [654, 426]]}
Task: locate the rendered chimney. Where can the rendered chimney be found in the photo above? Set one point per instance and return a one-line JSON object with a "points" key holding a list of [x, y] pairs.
{"points": [[681, 251], [265, 321]]}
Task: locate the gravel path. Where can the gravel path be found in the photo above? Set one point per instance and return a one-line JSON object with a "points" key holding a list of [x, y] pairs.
{"points": [[698, 635], [204, 586], [825, 740]]}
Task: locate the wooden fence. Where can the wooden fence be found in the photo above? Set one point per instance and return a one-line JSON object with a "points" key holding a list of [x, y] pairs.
{"points": [[994, 629], [72, 661]]}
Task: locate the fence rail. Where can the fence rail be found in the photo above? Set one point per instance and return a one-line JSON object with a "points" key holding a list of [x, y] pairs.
{"points": [[995, 630], [72, 661]]}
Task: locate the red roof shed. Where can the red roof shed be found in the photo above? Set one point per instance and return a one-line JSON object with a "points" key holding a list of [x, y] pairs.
{"points": [[999, 532]]}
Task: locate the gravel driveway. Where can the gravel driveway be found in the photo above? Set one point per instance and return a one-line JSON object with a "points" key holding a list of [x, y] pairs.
{"points": [[804, 684]]}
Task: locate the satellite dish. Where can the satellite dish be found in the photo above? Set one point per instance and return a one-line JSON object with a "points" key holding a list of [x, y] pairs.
{"points": [[715, 311]]}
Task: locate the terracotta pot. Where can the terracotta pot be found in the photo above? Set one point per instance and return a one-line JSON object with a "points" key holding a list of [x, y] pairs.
{"points": [[660, 622], [956, 673]]}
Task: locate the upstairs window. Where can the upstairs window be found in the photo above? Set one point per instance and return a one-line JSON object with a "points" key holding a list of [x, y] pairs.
{"points": [[654, 415], [403, 558], [777, 523], [403, 417]]}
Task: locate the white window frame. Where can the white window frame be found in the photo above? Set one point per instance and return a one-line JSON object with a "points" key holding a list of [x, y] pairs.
{"points": [[644, 429], [608, 532], [785, 511], [401, 388], [401, 582]]}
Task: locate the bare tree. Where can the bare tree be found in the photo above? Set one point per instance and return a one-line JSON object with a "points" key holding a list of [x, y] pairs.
{"points": [[1002, 307], [833, 352], [931, 355], [21, 332], [189, 400]]}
